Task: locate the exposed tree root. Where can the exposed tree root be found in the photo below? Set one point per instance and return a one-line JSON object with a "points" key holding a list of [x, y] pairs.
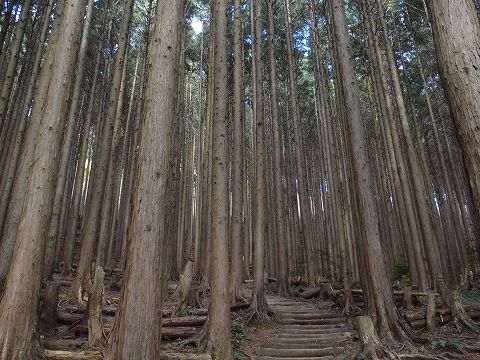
{"points": [[370, 344], [197, 339], [459, 315], [349, 307], [259, 310], [417, 356]]}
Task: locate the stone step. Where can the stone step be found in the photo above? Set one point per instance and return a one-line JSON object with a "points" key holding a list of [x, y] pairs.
{"points": [[309, 338], [328, 351], [278, 344], [340, 357], [312, 329], [308, 332], [295, 321], [313, 315]]}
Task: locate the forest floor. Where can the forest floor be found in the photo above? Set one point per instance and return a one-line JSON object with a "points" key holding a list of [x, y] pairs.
{"points": [[447, 342]]}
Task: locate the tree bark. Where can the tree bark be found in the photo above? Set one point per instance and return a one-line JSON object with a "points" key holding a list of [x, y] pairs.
{"points": [[53, 237], [457, 44], [301, 176], [13, 61], [218, 342], [18, 306], [90, 228], [259, 306], [279, 197], [375, 275], [236, 268], [137, 330]]}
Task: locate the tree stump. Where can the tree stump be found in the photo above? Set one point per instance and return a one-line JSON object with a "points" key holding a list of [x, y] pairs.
{"points": [[95, 302], [184, 286], [407, 298], [442, 290], [48, 317], [370, 345], [430, 315]]}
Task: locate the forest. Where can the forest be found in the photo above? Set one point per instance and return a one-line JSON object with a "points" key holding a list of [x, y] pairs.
{"points": [[223, 157]]}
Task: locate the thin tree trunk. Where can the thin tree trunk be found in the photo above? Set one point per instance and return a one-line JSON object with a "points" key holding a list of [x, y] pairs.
{"points": [[90, 229], [302, 185], [13, 61], [218, 342], [236, 264], [420, 190], [279, 197], [259, 306], [67, 148], [377, 278]]}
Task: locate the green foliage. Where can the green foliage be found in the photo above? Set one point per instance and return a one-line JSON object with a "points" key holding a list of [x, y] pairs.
{"points": [[237, 354], [443, 344], [472, 296], [296, 290], [238, 332], [271, 288], [400, 270]]}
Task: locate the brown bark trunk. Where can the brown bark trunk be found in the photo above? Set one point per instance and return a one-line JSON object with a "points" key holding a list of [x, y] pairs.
{"points": [[218, 342], [93, 215], [279, 193], [137, 330], [302, 186], [376, 274], [259, 306], [457, 45], [18, 306], [237, 223]]}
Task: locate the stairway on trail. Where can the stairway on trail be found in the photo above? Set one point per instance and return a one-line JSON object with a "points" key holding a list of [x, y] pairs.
{"points": [[307, 331]]}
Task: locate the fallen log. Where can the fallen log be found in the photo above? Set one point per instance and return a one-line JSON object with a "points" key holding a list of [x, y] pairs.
{"points": [[64, 345], [67, 318], [184, 321], [170, 333], [412, 315], [184, 356], [475, 315], [311, 293], [419, 324], [69, 355]]}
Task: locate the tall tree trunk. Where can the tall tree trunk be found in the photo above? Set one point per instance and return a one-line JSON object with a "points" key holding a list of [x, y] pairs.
{"points": [[13, 61], [421, 194], [218, 342], [18, 306], [90, 229], [53, 237], [301, 179], [457, 44], [279, 197], [259, 306], [376, 274], [137, 329], [236, 268], [15, 155]]}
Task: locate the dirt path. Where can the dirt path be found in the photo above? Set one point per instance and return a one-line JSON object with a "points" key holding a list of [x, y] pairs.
{"points": [[308, 332]]}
